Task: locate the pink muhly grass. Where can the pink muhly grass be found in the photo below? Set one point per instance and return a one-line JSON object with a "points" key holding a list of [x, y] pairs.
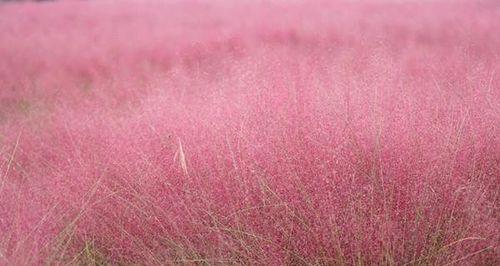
{"points": [[249, 133]]}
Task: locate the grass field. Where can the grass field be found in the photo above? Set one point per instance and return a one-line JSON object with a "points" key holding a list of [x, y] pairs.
{"points": [[250, 132]]}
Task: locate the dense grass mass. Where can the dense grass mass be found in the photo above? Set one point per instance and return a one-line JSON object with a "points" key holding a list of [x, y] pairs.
{"points": [[266, 133]]}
